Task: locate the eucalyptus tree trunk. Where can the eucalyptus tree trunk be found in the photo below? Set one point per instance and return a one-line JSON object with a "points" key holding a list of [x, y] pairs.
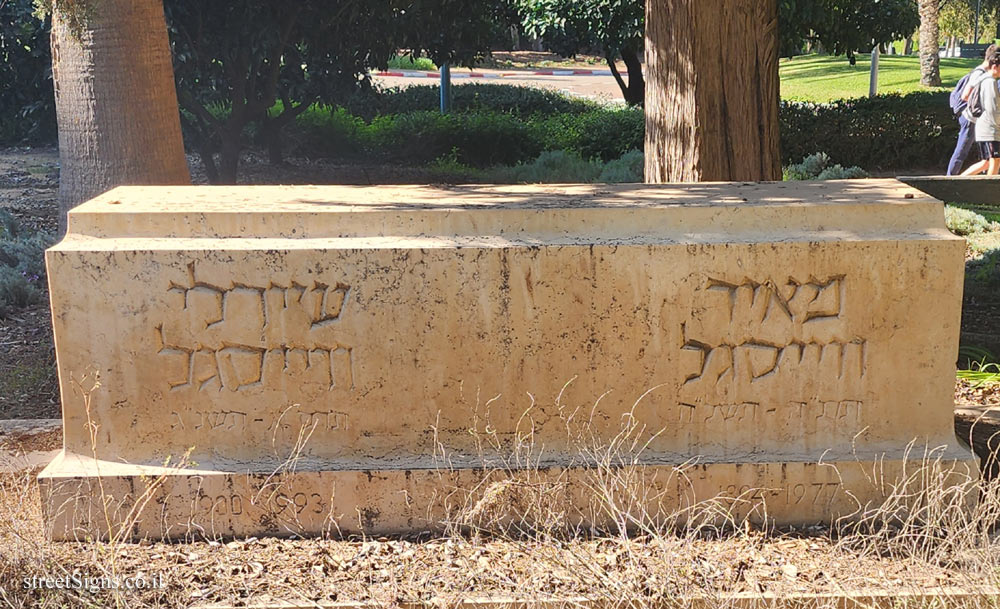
{"points": [[115, 99], [712, 90], [930, 61]]}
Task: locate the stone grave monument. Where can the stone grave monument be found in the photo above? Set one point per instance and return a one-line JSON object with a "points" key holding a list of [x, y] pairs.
{"points": [[276, 360]]}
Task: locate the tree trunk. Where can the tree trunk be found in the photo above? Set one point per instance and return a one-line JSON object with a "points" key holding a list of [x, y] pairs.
{"points": [[712, 98], [930, 61], [115, 100], [634, 91], [908, 47]]}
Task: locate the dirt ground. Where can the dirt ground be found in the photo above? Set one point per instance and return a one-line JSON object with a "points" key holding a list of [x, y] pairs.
{"points": [[28, 189]]}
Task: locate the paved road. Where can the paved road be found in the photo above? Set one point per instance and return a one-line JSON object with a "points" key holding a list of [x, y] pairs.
{"points": [[602, 87]]}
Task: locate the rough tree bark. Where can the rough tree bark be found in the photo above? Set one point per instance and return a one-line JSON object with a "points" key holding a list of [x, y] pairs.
{"points": [[115, 100], [712, 90], [930, 61]]}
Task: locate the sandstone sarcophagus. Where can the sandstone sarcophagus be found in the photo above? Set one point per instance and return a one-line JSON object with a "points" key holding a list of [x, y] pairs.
{"points": [[336, 358]]}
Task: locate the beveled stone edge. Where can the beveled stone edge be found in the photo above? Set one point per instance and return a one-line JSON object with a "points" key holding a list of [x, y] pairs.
{"points": [[743, 600]]}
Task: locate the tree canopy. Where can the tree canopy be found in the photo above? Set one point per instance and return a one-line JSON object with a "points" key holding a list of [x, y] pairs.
{"points": [[234, 62], [571, 26]]}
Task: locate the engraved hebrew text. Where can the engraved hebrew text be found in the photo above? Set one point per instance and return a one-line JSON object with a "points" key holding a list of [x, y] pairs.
{"points": [[241, 337]]}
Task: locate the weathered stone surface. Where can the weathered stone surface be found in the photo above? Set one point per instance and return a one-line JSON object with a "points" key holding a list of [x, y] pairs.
{"points": [[354, 339]]}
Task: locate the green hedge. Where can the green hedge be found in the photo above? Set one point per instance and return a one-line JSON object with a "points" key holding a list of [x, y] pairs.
{"points": [[475, 138], [887, 132], [513, 99]]}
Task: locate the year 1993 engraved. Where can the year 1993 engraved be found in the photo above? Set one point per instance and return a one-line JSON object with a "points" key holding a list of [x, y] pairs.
{"points": [[279, 504]]}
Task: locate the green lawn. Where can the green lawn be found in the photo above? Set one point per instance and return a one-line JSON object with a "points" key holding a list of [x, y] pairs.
{"points": [[821, 78]]}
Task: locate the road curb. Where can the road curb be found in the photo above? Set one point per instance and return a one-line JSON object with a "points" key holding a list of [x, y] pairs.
{"points": [[459, 75]]}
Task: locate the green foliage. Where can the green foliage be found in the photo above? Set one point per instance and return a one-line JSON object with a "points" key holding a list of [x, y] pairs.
{"points": [[406, 62], [551, 166], [966, 222], [958, 18], [630, 167], [571, 26], [880, 133], [27, 104], [481, 138], [817, 167], [520, 100], [985, 270], [22, 264], [561, 166], [984, 371], [247, 56], [849, 26]]}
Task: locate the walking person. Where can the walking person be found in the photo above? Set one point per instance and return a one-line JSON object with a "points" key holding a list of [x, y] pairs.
{"points": [[966, 136], [987, 125]]}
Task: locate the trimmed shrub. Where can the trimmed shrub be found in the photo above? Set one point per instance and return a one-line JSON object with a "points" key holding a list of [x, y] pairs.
{"points": [[884, 132], [521, 100], [406, 62], [477, 139]]}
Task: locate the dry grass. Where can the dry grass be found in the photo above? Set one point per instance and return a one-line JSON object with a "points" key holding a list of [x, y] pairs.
{"points": [[518, 534]]}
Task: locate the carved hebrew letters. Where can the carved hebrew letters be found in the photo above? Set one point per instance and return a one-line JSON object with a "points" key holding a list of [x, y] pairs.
{"points": [[750, 334], [243, 337]]}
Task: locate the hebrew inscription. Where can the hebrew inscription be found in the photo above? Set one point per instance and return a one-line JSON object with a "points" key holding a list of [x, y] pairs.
{"points": [[242, 337], [235, 420], [746, 333], [819, 410]]}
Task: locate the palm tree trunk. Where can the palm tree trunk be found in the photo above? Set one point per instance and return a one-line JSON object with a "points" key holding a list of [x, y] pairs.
{"points": [[115, 99], [930, 61], [712, 93]]}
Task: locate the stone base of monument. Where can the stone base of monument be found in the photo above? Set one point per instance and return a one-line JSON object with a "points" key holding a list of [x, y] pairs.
{"points": [[391, 359], [85, 499]]}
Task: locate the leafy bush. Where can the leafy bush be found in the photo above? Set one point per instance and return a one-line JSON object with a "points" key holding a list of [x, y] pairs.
{"points": [[817, 167], [475, 138], [406, 62], [966, 222], [27, 103], [17, 291], [322, 131], [985, 271], [551, 166], [520, 100], [22, 264], [884, 132], [562, 166], [630, 167], [478, 139]]}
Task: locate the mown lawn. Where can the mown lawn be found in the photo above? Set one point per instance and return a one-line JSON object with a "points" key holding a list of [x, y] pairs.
{"points": [[822, 78]]}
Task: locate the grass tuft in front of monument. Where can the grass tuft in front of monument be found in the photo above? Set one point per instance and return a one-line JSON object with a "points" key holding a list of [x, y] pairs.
{"points": [[518, 534]]}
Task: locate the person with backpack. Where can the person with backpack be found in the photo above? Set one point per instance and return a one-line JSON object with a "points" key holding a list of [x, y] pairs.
{"points": [[958, 103], [983, 107]]}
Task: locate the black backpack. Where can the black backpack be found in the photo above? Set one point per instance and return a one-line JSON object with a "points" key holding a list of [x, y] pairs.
{"points": [[975, 105]]}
